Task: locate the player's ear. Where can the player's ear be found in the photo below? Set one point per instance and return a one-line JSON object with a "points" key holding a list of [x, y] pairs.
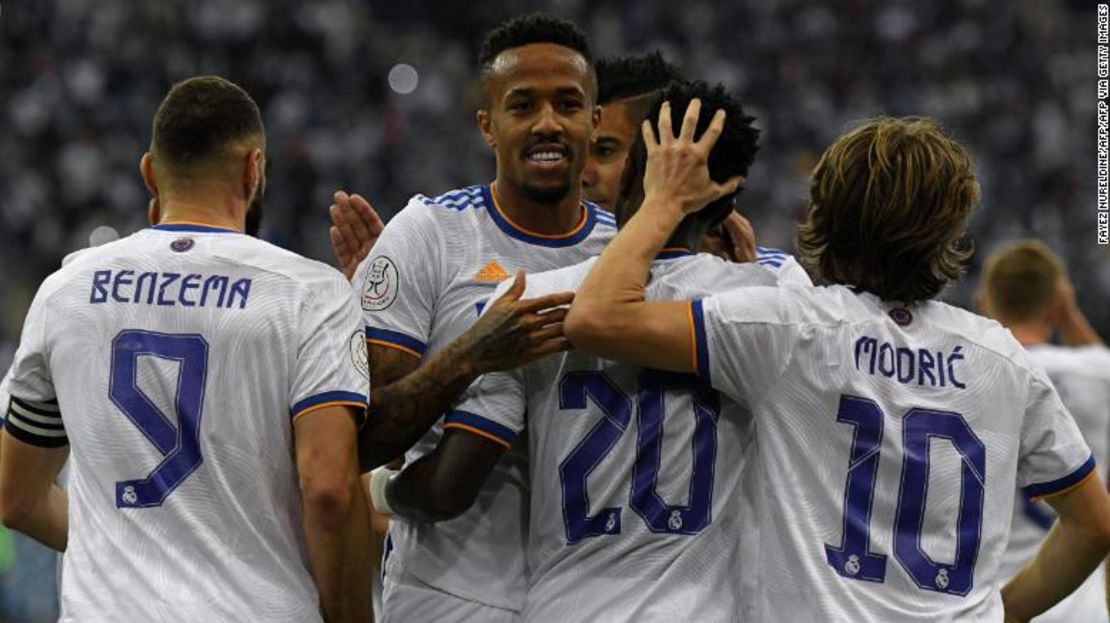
{"points": [[252, 173], [981, 303], [146, 170], [485, 125], [596, 116]]}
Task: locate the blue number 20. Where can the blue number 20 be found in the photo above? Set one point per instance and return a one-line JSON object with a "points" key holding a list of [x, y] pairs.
{"points": [[180, 444], [616, 407], [853, 558]]}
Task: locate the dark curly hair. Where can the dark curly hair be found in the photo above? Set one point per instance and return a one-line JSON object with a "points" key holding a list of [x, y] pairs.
{"points": [[632, 76], [888, 208], [534, 28], [732, 155]]}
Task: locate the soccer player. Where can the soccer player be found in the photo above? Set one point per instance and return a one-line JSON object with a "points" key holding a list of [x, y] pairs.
{"points": [[637, 475], [891, 428], [1024, 286], [199, 382], [428, 277]]}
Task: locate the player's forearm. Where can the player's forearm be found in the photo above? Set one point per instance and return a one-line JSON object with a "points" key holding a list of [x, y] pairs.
{"points": [[337, 531], [1075, 330], [423, 492], [614, 289], [402, 411], [1067, 557], [46, 520]]}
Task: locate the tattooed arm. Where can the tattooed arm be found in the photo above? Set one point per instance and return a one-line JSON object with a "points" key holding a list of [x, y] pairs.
{"points": [[408, 398]]}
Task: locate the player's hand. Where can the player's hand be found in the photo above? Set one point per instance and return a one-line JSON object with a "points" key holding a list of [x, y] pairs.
{"points": [[513, 332], [735, 241], [677, 174], [355, 228]]}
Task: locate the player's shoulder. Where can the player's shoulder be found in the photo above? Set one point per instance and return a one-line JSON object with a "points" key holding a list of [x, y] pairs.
{"points": [[460, 203], [783, 264], [1092, 360], [268, 257], [605, 221], [703, 274]]}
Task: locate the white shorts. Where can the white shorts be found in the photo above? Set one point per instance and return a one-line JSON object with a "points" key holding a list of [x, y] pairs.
{"points": [[406, 599]]}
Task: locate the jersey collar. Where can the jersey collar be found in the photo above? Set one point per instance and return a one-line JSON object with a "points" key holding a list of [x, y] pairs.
{"points": [[568, 239], [194, 227]]}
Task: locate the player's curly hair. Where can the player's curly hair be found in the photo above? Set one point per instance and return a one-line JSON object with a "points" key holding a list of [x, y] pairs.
{"points": [[534, 28], [633, 76], [199, 120], [732, 155], [888, 208]]}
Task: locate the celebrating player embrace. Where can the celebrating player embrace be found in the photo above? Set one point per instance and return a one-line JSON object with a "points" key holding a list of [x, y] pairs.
{"points": [[891, 428]]}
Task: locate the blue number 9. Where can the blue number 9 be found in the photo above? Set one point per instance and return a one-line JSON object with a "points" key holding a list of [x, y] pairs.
{"points": [[180, 444]]}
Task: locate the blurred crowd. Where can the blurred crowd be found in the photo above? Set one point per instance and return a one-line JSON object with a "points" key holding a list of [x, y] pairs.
{"points": [[80, 81]]}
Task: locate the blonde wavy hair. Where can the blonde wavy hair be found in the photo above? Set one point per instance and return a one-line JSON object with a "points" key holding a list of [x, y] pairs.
{"points": [[888, 207]]}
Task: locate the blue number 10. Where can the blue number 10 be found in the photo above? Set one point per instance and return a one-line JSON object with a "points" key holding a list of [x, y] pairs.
{"points": [[853, 558], [180, 444]]}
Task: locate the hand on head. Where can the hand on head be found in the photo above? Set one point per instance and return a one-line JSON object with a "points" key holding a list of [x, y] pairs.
{"points": [[678, 166]]}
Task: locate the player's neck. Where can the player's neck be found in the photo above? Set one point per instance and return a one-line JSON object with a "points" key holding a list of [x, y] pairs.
{"points": [[1031, 334], [208, 211], [544, 218], [687, 236]]}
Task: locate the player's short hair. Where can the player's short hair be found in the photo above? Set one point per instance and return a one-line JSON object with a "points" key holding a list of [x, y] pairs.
{"points": [[534, 28], [888, 208], [732, 155], [633, 76], [199, 122], [1019, 280]]}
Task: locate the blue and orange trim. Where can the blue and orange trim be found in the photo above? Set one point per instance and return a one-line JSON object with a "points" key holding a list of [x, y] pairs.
{"points": [[328, 399], [671, 253], [473, 423], [396, 340], [698, 340], [568, 239], [194, 227], [1060, 486]]}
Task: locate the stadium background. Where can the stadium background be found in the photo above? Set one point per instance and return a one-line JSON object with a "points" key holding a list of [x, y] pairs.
{"points": [[80, 81]]}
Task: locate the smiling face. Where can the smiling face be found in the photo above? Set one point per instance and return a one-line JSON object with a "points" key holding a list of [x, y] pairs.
{"points": [[539, 118], [613, 138]]}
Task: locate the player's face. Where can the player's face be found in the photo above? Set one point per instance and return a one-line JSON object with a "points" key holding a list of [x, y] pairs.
{"points": [[613, 137], [540, 119]]}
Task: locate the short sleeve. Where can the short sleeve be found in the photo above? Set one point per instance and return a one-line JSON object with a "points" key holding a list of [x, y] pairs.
{"points": [[327, 371], [1053, 457], [398, 282], [33, 415], [493, 407], [742, 341], [785, 267]]}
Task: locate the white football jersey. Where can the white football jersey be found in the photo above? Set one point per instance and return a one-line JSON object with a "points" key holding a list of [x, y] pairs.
{"points": [[890, 441], [637, 475], [430, 274], [788, 270], [173, 362], [1082, 377]]}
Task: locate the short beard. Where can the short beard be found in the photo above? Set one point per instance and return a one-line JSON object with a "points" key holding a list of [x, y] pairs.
{"points": [[254, 216], [547, 196]]}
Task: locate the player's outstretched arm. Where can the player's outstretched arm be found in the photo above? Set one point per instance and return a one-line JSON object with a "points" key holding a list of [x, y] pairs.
{"points": [[1073, 549], [355, 227], [610, 317], [336, 513], [440, 485], [406, 400], [30, 502]]}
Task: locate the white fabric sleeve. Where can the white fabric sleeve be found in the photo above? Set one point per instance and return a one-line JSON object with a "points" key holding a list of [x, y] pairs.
{"points": [[327, 372], [399, 281], [32, 414], [742, 341], [493, 407], [1053, 457]]}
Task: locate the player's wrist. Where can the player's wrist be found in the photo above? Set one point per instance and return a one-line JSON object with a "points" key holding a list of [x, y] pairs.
{"points": [[379, 494]]}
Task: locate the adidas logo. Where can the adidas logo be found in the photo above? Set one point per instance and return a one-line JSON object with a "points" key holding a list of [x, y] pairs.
{"points": [[492, 273]]}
